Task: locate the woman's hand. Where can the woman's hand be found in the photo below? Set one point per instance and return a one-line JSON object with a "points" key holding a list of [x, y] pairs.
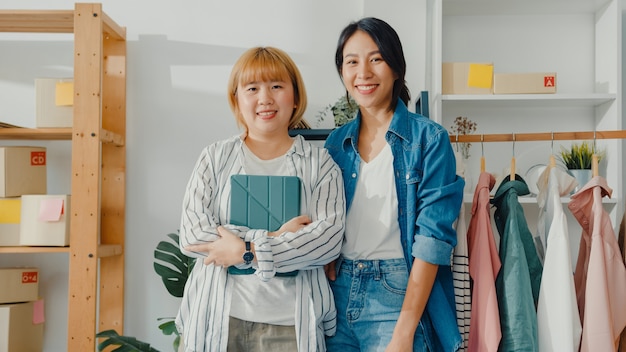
{"points": [[225, 251], [292, 225]]}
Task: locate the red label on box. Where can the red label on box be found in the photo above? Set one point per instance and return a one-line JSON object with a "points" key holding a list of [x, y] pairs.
{"points": [[548, 81], [37, 158], [29, 277]]}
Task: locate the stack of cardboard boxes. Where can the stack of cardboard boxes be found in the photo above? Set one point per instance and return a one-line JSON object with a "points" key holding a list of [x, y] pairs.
{"points": [[21, 311], [29, 216], [480, 78]]}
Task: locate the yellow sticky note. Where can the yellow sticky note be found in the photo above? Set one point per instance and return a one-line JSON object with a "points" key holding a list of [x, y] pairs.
{"points": [[480, 76], [10, 210], [64, 94]]}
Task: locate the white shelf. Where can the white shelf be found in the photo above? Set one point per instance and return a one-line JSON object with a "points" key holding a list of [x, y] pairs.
{"points": [[537, 100], [529, 7]]}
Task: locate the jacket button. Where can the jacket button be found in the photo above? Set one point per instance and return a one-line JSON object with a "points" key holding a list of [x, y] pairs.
{"points": [[354, 175]]}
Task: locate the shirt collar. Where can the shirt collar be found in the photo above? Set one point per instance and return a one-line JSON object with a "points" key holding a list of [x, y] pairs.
{"points": [[596, 181], [519, 186], [299, 146], [399, 126]]}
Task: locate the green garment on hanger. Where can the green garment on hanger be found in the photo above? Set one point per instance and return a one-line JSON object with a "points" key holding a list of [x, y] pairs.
{"points": [[517, 283]]}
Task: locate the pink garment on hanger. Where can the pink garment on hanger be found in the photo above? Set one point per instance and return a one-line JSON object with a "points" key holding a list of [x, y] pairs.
{"points": [[600, 275], [484, 265]]}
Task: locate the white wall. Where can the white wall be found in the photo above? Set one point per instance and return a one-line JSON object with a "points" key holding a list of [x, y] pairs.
{"points": [[179, 58]]}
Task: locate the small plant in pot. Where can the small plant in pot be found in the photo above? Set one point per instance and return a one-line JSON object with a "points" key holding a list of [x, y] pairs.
{"points": [[578, 159]]}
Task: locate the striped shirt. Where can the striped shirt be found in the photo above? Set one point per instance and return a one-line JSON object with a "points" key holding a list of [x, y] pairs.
{"points": [[204, 312]]}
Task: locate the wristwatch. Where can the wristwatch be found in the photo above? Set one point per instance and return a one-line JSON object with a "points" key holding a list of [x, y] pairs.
{"points": [[248, 256]]}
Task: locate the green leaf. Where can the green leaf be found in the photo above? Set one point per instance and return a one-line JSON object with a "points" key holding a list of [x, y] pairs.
{"points": [[169, 328], [172, 265], [125, 343], [579, 156]]}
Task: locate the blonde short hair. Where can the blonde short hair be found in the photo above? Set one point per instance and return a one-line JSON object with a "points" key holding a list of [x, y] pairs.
{"points": [[267, 64]]}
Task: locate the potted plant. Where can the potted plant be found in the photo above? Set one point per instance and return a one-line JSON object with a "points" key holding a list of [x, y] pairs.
{"points": [[343, 110], [578, 161]]}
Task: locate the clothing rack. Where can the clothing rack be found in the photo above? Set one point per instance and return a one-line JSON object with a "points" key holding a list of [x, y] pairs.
{"points": [[538, 136]]}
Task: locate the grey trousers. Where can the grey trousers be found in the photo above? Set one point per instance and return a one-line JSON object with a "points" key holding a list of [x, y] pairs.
{"points": [[246, 336]]}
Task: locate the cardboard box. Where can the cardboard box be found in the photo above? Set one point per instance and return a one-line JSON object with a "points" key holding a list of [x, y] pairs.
{"points": [[10, 209], [44, 220], [525, 83], [467, 78], [22, 171], [21, 327], [19, 285], [55, 100]]}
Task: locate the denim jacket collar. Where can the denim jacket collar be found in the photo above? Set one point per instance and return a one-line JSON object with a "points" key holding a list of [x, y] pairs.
{"points": [[398, 126]]}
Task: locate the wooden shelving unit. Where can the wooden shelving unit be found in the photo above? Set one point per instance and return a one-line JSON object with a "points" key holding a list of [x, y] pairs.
{"points": [[96, 260]]}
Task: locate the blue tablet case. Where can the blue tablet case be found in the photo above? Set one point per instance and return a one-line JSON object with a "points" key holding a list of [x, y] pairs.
{"points": [[263, 202]]}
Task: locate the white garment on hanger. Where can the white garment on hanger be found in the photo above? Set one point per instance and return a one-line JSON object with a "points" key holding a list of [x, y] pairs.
{"points": [[558, 322]]}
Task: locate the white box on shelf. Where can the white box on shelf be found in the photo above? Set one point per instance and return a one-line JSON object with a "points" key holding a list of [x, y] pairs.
{"points": [[19, 285], [44, 220], [21, 327], [54, 102], [10, 221], [22, 171]]}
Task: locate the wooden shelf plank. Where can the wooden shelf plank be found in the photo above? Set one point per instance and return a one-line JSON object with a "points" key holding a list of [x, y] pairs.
{"points": [[112, 29], [109, 250], [37, 21], [36, 133], [23, 250]]}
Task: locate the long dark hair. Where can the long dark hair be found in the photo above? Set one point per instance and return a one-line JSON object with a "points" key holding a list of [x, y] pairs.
{"points": [[390, 48]]}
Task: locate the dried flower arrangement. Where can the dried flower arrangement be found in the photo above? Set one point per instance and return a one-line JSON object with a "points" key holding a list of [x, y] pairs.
{"points": [[462, 125]]}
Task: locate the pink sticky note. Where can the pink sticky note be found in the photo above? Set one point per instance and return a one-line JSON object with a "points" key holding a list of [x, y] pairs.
{"points": [[38, 312], [50, 209]]}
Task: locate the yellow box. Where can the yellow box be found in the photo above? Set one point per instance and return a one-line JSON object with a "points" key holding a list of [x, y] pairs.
{"points": [[44, 220], [21, 327], [524, 83], [10, 209], [54, 106], [19, 285], [467, 78], [23, 170]]}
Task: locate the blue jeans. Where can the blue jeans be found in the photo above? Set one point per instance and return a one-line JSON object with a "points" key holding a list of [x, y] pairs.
{"points": [[369, 295]]}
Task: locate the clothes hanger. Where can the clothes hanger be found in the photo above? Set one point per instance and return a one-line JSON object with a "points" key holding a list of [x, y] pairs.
{"points": [[482, 155], [552, 159], [512, 177], [594, 157]]}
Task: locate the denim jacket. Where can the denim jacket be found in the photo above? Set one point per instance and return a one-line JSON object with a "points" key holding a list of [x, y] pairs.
{"points": [[429, 200]]}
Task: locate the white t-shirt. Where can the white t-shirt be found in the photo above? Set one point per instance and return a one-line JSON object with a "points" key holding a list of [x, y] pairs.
{"points": [[372, 229], [274, 301]]}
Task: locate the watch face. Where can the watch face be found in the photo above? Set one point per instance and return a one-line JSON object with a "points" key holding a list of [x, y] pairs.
{"points": [[248, 257]]}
